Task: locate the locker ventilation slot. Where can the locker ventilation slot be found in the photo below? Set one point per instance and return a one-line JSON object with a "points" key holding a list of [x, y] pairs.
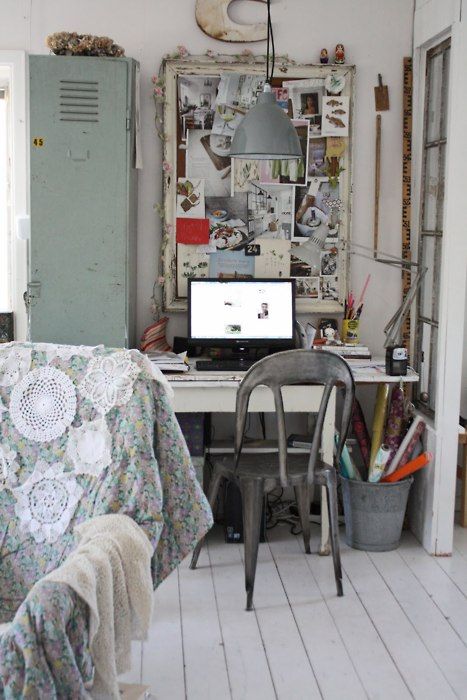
{"points": [[79, 101]]}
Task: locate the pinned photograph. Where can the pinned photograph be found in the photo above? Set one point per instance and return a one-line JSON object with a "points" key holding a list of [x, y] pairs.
{"points": [[244, 172], [228, 221], [310, 219], [293, 172], [207, 158], [282, 97], [190, 263], [335, 118], [307, 287], [196, 101], [232, 265], [317, 157], [237, 93], [270, 210], [329, 288], [306, 97], [190, 198], [274, 260], [329, 262]]}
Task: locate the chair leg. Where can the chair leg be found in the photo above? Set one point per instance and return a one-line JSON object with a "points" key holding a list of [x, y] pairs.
{"points": [[331, 487], [302, 496], [212, 495], [252, 504]]}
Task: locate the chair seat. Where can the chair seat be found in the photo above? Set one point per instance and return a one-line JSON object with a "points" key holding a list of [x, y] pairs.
{"points": [[266, 466]]}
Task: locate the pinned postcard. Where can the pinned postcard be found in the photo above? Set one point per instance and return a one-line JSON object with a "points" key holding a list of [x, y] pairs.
{"points": [[335, 121], [231, 265], [190, 198], [244, 172], [273, 260], [329, 288], [335, 146], [190, 263], [307, 287], [192, 231]]}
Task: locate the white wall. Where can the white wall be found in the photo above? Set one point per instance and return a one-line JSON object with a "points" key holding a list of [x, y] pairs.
{"points": [[376, 33]]}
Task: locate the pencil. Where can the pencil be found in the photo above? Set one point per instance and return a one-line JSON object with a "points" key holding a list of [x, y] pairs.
{"points": [[365, 286]]}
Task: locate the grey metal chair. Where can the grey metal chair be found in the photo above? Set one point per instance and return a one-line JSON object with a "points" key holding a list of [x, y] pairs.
{"points": [[257, 474]]}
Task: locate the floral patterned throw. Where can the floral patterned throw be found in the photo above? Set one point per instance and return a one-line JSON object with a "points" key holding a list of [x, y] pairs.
{"points": [[84, 432]]}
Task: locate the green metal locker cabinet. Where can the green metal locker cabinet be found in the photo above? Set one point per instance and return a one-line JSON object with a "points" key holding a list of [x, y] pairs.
{"points": [[82, 267]]}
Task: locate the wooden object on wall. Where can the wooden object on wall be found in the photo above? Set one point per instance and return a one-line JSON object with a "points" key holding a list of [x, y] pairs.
{"points": [[377, 184], [381, 95], [213, 18], [406, 188]]}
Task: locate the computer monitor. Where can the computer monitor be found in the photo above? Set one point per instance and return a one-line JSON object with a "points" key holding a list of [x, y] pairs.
{"points": [[241, 313]]}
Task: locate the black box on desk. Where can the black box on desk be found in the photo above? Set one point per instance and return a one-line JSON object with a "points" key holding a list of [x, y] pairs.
{"points": [[192, 425], [233, 515]]}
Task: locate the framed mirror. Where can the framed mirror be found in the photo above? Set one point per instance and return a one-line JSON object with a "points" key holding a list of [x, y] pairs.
{"points": [[243, 219]]}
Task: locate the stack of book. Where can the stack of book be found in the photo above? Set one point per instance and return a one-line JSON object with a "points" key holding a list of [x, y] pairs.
{"points": [[168, 361]]}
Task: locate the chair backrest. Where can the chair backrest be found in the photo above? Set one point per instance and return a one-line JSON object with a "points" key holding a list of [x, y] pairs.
{"points": [[297, 367]]}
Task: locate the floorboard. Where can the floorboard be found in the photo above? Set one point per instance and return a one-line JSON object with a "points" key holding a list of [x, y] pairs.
{"points": [[162, 659], [399, 632], [247, 663], [400, 637]]}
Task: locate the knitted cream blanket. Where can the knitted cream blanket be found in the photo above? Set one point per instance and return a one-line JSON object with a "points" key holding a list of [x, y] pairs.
{"points": [[111, 571]]}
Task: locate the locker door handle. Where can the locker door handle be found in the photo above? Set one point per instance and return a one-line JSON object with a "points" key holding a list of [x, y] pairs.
{"points": [[78, 155]]}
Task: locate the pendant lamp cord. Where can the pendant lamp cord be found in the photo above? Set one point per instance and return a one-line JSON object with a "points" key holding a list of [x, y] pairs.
{"points": [[270, 41]]}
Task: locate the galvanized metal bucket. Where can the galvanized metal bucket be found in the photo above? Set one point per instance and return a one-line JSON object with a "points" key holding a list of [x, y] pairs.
{"points": [[374, 513]]}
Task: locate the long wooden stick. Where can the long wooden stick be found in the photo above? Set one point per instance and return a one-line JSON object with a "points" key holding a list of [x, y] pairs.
{"points": [[377, 184]]}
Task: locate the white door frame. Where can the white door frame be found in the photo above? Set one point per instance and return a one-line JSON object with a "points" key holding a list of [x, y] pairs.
{"points": [[16, 61], [433, 501]]}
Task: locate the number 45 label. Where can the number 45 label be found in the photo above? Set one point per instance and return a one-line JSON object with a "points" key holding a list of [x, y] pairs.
{"points": [[38, 141]]}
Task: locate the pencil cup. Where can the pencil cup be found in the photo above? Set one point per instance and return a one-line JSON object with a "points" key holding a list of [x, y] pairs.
{"points": [[351, 331]]}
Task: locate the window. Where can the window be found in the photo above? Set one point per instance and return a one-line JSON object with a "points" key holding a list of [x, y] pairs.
{"points": [[5, 277], [431, 221]]}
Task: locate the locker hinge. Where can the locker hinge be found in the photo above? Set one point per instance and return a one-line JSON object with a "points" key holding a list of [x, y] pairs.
{"points": [[128, 123]]}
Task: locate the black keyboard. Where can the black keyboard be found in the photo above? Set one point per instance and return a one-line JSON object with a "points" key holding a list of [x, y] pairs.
{"points": [[224, 365]]}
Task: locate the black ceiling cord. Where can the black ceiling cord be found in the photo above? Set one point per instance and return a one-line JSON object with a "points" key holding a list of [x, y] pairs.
{"points": [[271, 34], [267, 44]]}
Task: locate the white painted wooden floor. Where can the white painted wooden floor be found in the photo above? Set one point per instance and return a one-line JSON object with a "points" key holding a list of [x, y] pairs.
{"points": [[400, 631]]}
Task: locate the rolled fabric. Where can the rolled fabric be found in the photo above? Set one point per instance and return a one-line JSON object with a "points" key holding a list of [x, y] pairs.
{"points": [[377, 469], [394, 423], [378, 421], [361, 432], [407, 445]]}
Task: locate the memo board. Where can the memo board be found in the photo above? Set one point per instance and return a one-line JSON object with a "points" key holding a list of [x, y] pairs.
{"points": [[232, 218]]}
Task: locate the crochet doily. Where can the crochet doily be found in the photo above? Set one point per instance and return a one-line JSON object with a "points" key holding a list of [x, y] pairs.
{"points": [[109, 380], [89, 447], [46, 502], [43, 404], [14, 363]]}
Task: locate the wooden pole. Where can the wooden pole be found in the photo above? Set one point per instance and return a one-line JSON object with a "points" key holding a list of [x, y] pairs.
{"points": [[377, 184]]}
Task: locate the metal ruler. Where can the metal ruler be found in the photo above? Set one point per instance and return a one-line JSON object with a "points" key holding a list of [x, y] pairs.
{"points": [[406, 187]]}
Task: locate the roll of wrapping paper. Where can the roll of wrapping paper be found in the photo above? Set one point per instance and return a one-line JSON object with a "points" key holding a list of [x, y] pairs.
{"points": [[409, 468], [347, 466], [377, 469], [378, 421], [408, 444], [394, 423], [361, 432]]}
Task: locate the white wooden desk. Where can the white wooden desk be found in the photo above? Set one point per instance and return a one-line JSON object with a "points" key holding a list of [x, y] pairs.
{"points": [[216, 392]]}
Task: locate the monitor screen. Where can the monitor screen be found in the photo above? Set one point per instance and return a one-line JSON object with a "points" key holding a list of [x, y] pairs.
{"points": [[241, 312]]}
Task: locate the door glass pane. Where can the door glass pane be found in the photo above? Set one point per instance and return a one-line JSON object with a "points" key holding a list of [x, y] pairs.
{"points": [[433, 364], [431, 189], [447, 59], [440, 207], [428, 260], [436, 277], [435, 83], [424, 369]]}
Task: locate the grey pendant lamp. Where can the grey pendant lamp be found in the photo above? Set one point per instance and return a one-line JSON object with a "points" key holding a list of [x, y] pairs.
{"points": [[266, 132]]}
